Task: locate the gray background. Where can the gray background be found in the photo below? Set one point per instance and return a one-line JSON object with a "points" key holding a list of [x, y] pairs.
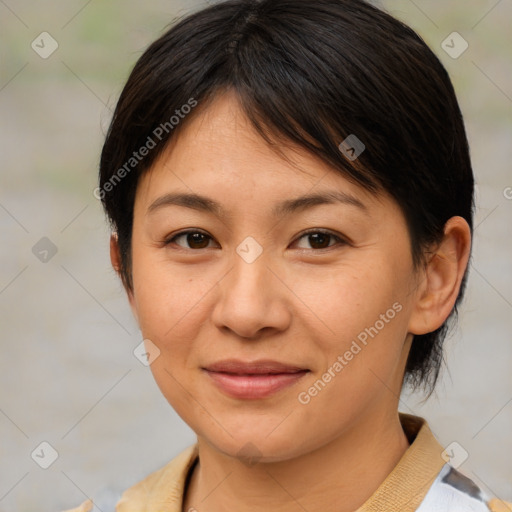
{"points": [[67, 372]]}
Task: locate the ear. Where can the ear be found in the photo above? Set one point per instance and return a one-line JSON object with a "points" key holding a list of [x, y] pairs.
{"points": [[441, 278], [115, 254], [115, 259]]}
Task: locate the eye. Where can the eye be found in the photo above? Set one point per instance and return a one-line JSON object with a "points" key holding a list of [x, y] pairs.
{"points": [[321, 239], [195, 239], [317, 239]]}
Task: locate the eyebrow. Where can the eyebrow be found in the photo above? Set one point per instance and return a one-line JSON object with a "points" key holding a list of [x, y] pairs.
{"points": [[301, 203]]}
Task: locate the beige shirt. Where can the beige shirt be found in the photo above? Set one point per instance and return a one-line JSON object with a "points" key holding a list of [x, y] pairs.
{"points": [[415, 479]]}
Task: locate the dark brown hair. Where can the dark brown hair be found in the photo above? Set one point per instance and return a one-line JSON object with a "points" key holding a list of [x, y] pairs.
{"points": [[311, 73]]}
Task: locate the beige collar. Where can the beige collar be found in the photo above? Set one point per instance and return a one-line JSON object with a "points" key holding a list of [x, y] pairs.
{"points": [[408, 483]]}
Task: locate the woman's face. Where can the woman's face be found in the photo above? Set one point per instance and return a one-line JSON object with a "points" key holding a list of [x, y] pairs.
{"points": [[317, 292]]}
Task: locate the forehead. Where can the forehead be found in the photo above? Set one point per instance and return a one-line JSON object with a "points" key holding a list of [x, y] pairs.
{"points": [[219, 150]]}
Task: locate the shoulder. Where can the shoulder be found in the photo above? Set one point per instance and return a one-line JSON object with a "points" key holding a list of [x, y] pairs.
{"points": [[452, 490], [160, 490]]}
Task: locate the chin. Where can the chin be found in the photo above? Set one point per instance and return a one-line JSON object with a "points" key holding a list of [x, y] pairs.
{"points": [[252, 445]]}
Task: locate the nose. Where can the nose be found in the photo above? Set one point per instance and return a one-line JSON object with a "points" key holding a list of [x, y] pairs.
{"points": [[252, 299]]}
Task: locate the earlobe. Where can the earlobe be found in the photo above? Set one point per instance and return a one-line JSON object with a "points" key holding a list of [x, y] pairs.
{"points": [[115, 256], [442, 278]]}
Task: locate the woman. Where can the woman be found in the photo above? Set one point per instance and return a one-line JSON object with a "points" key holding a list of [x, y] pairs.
{"points": [[291, 196]]}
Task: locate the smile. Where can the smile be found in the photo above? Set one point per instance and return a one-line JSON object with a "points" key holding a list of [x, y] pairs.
{"points": [[251, 381]]}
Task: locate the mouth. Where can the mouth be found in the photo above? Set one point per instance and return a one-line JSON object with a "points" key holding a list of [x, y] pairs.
{"points": [[253, 380]]}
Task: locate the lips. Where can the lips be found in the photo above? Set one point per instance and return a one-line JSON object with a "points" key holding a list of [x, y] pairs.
{"points": [[253, 380], [260, 367]]}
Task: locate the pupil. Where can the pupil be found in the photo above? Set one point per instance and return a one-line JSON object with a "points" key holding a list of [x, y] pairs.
{"points": [[317, 239], [194, 239]]}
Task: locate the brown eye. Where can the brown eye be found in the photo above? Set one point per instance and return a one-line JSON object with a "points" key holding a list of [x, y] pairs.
{"points": [[194, 239], [320, 239]]}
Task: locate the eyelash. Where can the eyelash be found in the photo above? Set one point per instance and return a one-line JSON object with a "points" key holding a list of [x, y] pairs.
{"points": [[340, 240]]}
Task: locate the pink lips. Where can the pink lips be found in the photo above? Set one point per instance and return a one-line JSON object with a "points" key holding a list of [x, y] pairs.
{"points": [[258, 379]]}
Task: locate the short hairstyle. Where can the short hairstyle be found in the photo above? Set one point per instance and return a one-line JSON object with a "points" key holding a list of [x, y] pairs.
{"points": [[312, 74]]}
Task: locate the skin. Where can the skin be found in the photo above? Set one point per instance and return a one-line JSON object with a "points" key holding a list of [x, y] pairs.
{"points": [[302, 302]]}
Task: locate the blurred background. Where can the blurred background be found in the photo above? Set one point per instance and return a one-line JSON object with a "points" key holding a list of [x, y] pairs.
{"points": [[68, 375]]}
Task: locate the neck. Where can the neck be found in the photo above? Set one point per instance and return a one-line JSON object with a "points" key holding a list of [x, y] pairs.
{"points": [[339, 476]]}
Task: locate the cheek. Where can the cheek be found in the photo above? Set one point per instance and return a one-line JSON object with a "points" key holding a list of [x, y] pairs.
{"points": [[167, 295], [360, 329], [170, 309], [352, 298]]}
